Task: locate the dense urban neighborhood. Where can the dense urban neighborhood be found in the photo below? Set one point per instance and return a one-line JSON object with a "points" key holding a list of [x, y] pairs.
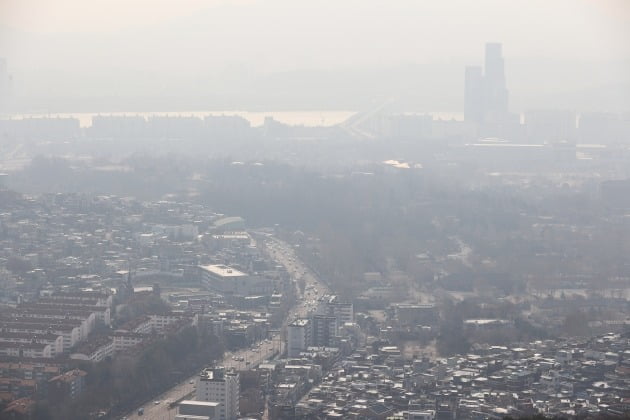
{"points": [[110, 304], [294, 210]]}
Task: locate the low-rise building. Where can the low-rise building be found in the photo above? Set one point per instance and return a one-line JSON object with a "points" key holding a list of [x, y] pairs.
{"points": [[94, 350], [197, 410]]}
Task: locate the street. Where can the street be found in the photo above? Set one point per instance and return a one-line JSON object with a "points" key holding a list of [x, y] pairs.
{"points": [[283, 253]]}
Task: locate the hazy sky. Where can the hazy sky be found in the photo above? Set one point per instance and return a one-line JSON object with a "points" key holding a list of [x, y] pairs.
{"points": [[193, 47]]}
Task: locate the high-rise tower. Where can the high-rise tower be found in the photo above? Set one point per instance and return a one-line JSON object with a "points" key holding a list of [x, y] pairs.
{"points": [[473, 95], [5, 83], [495, 72], [495, 90], [486, 94]]}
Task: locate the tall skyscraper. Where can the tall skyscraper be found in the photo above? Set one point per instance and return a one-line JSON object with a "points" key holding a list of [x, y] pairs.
{"points": [[473, 94], [4, 82], [495, 72], [486, 94], [496, 93]]}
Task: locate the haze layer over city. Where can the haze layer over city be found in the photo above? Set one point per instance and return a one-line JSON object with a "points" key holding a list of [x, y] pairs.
{"points": [[314, 210]]}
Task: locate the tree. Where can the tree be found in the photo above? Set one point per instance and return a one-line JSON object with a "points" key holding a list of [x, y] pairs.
{"points": [[18, 265], [575, 323]]}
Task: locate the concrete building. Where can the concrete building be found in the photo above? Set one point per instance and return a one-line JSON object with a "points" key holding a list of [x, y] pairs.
{"points": [[31, 350], [68, 385], [421, 415], [230, 281], [221, 278], [331, 305], [221, 386], [197, 410], [496, 93], [551, 126], [473, 94], [124, 340], [415, 314], [160, 322], [55, 340], [324, 331], [486, 95], [95, 349], [69, 329], [299, 337]]}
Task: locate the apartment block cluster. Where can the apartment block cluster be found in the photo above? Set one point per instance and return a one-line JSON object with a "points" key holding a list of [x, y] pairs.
{"points": [[313, 344], [538, 126], [127, 126], [41, 339], [36, 341], [238, 328], [564, 378], [52, 325], [288, 380], [68, 259], [131, 336], [322, 328], [82, 241]]}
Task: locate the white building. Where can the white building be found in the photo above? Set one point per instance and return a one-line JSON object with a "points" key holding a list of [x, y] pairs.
{"points": [[31, 350], [55, 340], [221, 278], [69, 329], [331, 305], [298, 337], [160, 322], [197, 410], [124, 340], [95, 350], [221, 386], [230, 281], [421, 415]]}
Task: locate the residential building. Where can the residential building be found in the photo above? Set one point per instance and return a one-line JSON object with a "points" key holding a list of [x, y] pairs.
{"points": [[299, 337], [221, 386]]}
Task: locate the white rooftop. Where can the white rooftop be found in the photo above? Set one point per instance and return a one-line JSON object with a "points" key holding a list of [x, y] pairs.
{"points": [[200, 403], [222, 270]]}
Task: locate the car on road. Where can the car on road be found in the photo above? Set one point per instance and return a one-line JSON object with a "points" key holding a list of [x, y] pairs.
{"points": [[157, 402], [191, 382]]}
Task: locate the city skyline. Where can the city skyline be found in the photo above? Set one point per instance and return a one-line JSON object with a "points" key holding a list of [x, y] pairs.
{"points": [[278, 55], [281, 210]]}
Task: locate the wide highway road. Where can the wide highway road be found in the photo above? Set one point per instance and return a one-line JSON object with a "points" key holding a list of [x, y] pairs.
{"points": [[158, 408], [283, 253]]}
